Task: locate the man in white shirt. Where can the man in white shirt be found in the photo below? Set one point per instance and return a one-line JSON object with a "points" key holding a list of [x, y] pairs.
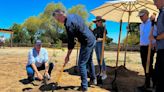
{"points": [[145, 28]]}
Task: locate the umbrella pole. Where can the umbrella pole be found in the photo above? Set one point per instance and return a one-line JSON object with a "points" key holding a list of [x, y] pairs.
{"points": [[114, 86], [126, 41], [126, 48]]}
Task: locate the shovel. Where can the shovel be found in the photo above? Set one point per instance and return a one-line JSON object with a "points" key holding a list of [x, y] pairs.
{"points": [[149, 48], [99, 76], [55, 85]]}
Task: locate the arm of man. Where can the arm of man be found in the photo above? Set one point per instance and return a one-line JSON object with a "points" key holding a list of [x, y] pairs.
{"points": [[71, 44], [160, 37], [67, 56]]}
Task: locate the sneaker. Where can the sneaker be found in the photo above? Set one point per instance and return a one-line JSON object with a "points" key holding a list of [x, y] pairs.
{"points": [[104, 76]]}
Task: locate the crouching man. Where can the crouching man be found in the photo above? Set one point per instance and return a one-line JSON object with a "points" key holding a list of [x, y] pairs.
{"points": [[38, 60]]}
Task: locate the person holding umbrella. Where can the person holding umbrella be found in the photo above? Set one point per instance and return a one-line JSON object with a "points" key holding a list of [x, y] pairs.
{"points": [[159, 66], [98, 32], [76, 27], [145, 28]]}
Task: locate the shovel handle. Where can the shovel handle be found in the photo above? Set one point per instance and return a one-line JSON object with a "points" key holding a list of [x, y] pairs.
{"points": [[149, 54], [148, 58], [103, 42], [60, 74]]}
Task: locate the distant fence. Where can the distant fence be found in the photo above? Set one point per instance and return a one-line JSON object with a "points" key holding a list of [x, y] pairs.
{"points": [[122, 48], [107, 47]]}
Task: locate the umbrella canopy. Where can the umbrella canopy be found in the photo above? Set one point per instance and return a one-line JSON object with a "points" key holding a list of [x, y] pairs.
{"points": [[124, 11], [127, 10]]}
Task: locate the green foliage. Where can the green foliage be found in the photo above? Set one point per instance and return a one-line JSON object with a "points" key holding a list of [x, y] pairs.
{"points": [[45, 27], [20, 35], [32, 26], [80, 10], [133, 37], [58, 44], [108, 40], [49, 25], [51, 7]]}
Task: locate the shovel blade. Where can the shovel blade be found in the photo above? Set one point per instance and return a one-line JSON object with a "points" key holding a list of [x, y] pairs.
{"points": [[99, 79]]}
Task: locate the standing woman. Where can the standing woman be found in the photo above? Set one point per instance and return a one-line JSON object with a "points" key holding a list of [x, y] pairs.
{"points": [[98, 32]]}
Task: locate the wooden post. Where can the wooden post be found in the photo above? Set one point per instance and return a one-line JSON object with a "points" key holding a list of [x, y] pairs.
{"points": [[11, 40]]}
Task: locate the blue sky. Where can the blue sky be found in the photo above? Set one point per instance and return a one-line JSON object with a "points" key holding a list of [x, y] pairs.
{"points": [[17, 11]]}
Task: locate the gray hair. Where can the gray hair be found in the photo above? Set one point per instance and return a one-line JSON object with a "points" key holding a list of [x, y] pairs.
{"points": [[58, 12]]}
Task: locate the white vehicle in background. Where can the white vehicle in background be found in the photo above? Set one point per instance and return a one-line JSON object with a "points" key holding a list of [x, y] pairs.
{"points": [[2, 41]]}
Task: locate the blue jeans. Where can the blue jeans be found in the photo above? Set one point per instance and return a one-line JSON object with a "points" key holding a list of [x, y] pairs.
{"points": [[31, 72], [98, 49], [85, 59]]}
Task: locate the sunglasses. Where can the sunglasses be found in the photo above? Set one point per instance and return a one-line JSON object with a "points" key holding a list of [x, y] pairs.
{"points": [[98, 21]]}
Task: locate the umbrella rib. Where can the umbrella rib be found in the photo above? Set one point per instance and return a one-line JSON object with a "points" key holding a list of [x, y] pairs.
{"points": [[117, 7], [125, 10], [125, 6], [147, 7], [103, 7], [135, 8], [112, 10], [143, 5]]}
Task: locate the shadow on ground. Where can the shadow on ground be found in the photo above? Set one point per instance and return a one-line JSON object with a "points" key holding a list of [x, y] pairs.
{"points": [[53, 87], [126, 80], [24, 81]]}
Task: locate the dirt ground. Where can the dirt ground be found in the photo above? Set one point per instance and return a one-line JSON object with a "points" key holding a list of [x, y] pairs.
{"points": [[13, 72]]}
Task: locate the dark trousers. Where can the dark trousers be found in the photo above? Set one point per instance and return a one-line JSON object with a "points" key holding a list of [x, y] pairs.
{"points": [[144, 53], [31, 72], [159, 71]]}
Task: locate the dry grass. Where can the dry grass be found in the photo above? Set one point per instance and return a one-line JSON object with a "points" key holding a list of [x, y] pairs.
{"points": [[13, 62]]}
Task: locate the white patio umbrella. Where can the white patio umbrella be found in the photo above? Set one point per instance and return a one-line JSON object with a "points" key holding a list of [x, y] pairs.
{"points": [[125, 11]]}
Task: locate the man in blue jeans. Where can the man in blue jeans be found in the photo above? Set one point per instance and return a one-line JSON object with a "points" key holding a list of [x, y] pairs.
{"points": [[76, 27], [38, 60]]}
